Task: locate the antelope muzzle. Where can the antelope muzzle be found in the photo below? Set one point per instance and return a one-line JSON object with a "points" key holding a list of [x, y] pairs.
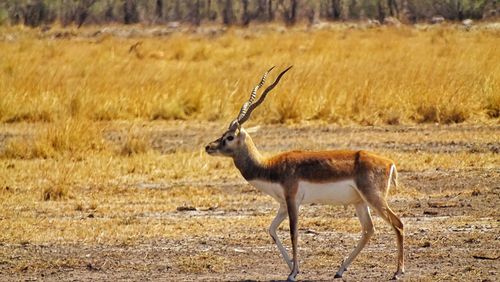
{"points": [[213, 147]]}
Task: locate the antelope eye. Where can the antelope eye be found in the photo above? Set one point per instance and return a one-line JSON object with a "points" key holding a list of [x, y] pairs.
{"points": [[230, 138]]}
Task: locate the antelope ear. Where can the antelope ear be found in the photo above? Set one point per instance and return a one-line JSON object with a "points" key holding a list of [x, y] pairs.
{"points": [[253, 129]]}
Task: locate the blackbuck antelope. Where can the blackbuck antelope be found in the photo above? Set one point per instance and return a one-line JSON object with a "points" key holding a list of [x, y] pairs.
{"points": [[339, 177]]}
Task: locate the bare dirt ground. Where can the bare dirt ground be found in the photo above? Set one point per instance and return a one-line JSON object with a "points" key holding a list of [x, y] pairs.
{"points": [[451, 215]]}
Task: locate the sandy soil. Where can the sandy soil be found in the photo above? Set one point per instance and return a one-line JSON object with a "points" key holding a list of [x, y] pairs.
{"points": [[451, 217]]}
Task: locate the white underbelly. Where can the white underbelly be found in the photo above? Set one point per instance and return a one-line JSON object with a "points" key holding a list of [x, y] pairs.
{"points": [[272, 189], [334, 193]]}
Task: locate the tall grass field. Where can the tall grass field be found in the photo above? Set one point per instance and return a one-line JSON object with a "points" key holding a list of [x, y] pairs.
{"points": [[364, 76]]}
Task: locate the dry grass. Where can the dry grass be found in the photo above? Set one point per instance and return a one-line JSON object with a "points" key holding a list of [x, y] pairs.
{"points": [[374, 76], [201, 263], [72, 137], [135, 143]]}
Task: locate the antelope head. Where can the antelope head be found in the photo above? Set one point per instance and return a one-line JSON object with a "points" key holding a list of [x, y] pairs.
{"points": [[235, 138]]}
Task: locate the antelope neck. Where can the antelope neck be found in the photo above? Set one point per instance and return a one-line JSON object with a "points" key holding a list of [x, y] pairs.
{"points": [[250, 162]]}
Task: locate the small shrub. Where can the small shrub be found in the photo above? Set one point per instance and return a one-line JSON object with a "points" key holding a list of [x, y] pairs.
{"points": [[55, 192], [286, 110], [392, 119], [493, 107], [75, 106], [453, 115], [178, 55], [106, 114], [134, 145], [57, 183], [79, 207], [446, 114], [32, 116], [191, 105], [199, 54], [170, 111], [427, 114], [323, 113], [22, 148], [74, 137]]}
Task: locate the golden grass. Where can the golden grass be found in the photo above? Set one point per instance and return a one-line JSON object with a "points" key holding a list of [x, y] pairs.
{"points": [[134, 144], [376, 76], [74, 137]]}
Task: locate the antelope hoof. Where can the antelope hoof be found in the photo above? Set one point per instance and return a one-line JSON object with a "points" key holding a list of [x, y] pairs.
{"points": [[398, 275], [339, 273], [292, 277]]}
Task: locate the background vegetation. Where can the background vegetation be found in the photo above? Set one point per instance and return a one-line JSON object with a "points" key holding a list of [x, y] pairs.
{"points": [[40, 12]]}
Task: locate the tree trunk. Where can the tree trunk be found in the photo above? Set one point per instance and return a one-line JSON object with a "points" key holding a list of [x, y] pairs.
{"points": [[408, 15], [15, 13], [109, 15], [159, 9], [336, 9], [290, 13], [245, 17], [34, 14], [177, 11], [260, 13], [195, 17], [353, 14], [209, 13], [293, 11], [227, 12], [131, 15], [314, 12], [393, 8], [270, 11], [82, 11], [460, 10], [380, 11]]}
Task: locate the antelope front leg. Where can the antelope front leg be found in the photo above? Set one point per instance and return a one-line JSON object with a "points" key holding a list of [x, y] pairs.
{"points": [[272, 231], [292, 208]]}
